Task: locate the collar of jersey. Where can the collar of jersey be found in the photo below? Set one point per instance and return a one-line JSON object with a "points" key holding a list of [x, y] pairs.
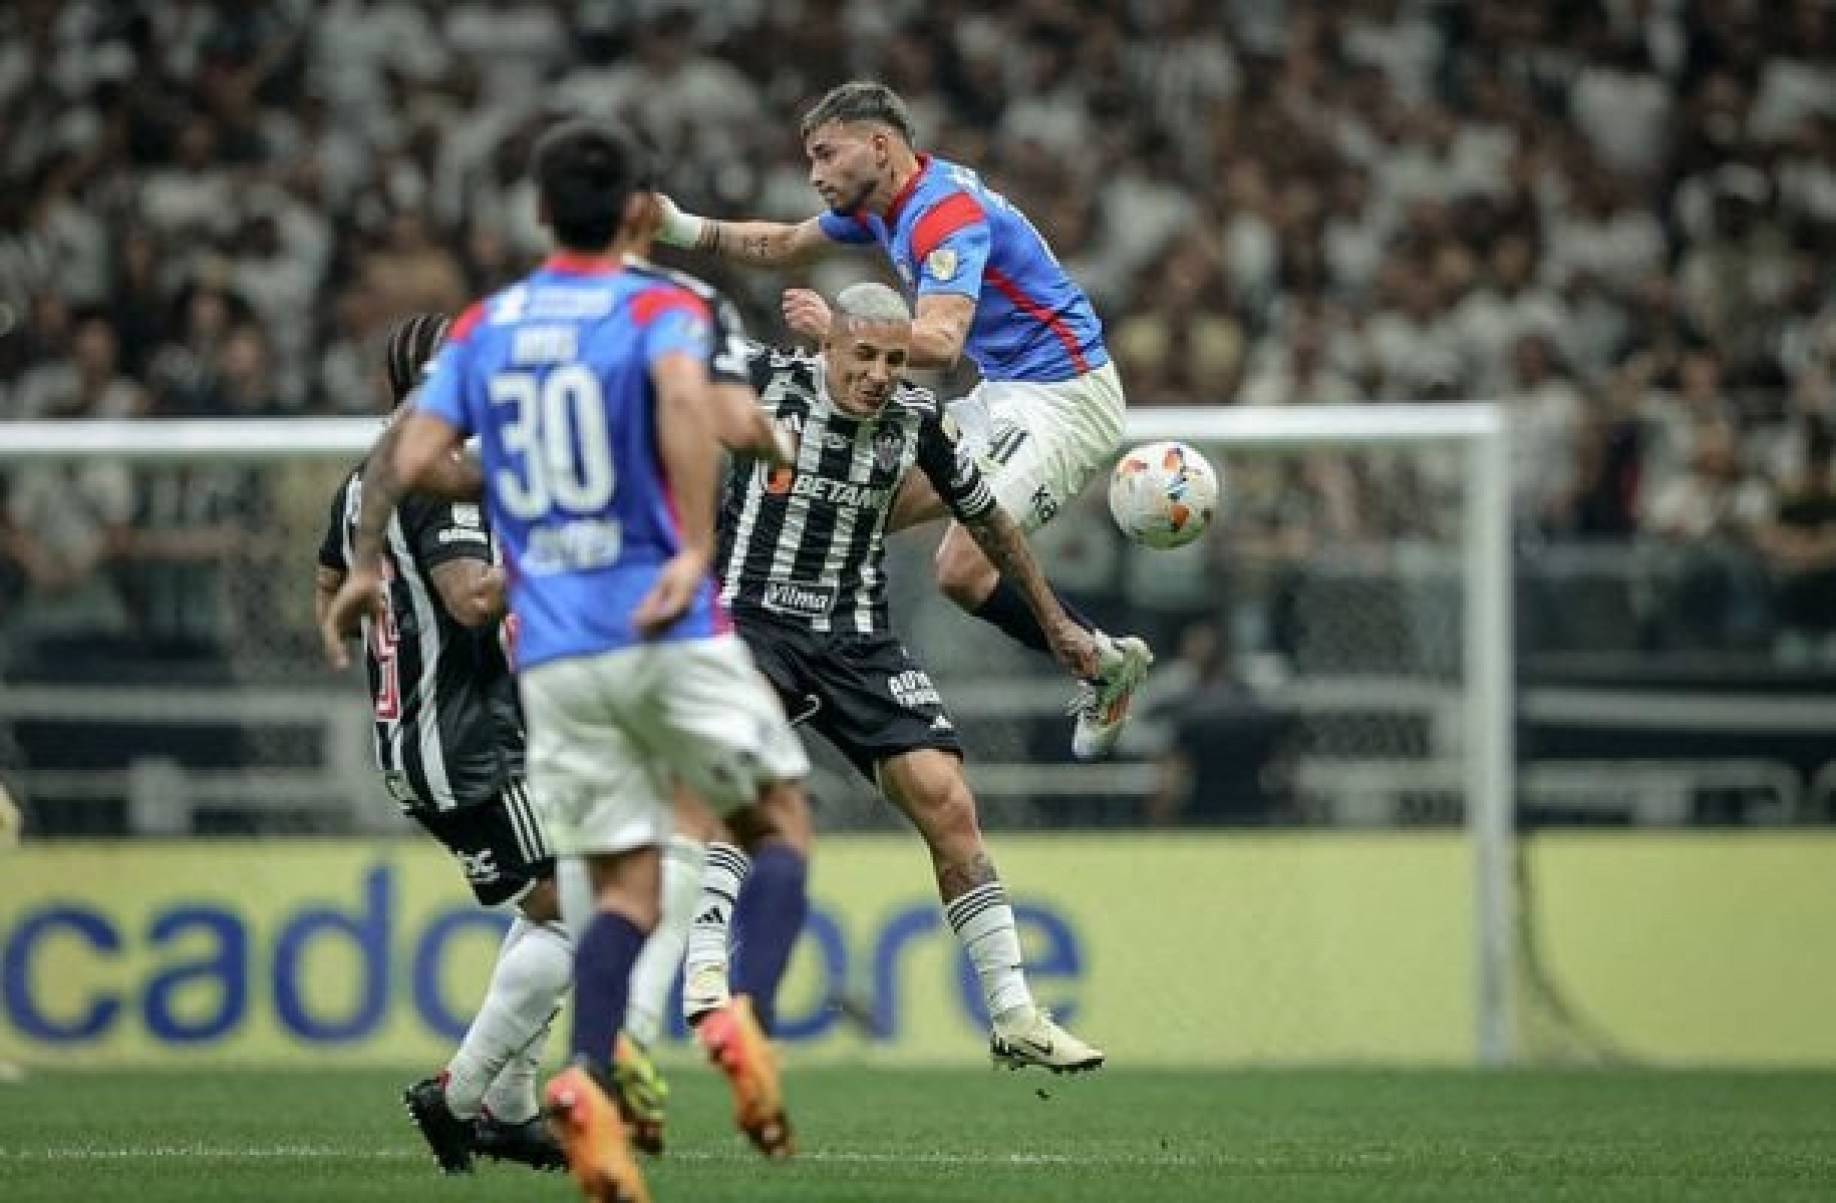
{"points": [[905, 190], [578, 263]]}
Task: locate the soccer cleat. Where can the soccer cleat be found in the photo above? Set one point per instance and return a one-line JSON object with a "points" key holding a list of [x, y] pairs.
{"points": [[642, 1093], [1101, 705], [1034, 1039], [446, 1134], [704, 989], [737, 1045], [530, 1143], [585, 1121]]}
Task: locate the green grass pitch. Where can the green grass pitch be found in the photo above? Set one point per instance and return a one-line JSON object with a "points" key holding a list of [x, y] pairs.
{"points": [[974, 1137]]}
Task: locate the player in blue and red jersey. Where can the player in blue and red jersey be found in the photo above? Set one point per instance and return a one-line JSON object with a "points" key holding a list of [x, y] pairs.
{"points": [[587, 386], [1048, 412]]}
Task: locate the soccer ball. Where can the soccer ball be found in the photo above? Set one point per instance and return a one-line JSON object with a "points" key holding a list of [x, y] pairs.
{"points": [[1163, 495]]}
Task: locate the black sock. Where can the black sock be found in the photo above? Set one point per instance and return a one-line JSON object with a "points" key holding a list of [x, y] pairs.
{"points": [[1007, 609]]}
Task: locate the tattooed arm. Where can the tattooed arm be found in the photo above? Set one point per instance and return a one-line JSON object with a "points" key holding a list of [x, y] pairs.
{"points": [[756, 243], [1003, 542]]}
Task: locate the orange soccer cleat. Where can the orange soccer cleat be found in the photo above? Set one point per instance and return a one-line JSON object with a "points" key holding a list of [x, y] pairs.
{"points": [[585, 1120]]}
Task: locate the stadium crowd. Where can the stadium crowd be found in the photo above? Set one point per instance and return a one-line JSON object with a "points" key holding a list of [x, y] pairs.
{"points": [[1618, 216]]}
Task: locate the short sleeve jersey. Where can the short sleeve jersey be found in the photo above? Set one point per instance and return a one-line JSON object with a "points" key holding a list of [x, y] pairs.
{"points": [[554, 376], [948, 232]]}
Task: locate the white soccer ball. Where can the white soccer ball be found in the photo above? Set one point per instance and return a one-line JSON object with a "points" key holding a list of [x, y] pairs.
{"points": [[1163, 495]]}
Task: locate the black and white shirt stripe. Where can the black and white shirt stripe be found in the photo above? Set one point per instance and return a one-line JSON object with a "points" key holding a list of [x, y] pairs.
{"points": [[444, 700], [806, 543]]}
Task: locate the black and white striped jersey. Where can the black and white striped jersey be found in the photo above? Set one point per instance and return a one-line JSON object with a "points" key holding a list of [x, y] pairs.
{"points": [[807, 542], [446, 711]]}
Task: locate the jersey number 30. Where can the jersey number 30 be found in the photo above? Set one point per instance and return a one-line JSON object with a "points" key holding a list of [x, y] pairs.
{"points": [[555, 439]]}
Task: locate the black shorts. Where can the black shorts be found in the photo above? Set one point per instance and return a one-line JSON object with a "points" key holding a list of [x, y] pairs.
{"points": [[499, 844], [865, 694]]}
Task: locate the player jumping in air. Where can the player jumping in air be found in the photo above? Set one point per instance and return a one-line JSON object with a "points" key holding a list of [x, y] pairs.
{"points": [[1048, 412], [587, 385], [801, 565]]}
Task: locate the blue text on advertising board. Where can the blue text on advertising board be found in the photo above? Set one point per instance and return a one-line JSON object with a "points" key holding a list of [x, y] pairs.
{"points": [[369, 928]]}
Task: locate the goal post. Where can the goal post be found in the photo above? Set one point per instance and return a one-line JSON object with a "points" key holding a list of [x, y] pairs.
{"points": [[1477, 430], [1468, 442]]}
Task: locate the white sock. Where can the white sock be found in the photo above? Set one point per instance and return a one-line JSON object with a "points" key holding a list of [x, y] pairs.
{"points": [[726, 872], [984, 924], [512, 1096], [655, 971], [534, 968]]}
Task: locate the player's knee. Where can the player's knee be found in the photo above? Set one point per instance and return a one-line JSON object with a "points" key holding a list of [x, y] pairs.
{"points": [[946, 815], [781, 813], [542, 904]]}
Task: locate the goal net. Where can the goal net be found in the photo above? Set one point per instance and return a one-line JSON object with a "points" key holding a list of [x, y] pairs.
{"points": [[1334, 660]]}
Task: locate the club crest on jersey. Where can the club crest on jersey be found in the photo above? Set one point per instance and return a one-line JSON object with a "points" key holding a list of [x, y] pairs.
{"points": [[465, 513], [940, 264], [888, 447]]}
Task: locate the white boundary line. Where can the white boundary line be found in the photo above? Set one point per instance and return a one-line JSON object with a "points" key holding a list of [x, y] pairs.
{"points": [[61, 1153]]}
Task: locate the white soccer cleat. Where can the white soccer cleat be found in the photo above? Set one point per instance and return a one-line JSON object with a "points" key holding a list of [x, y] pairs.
{"points": [[1101, 705], [1034, 1039], [704, 989]]}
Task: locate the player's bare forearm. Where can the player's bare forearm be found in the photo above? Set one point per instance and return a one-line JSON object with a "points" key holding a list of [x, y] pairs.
{"points": [[939, 329], [457, 477], [687, 443], [744, 428], [381, 492], [471, 590], [325, 585], [1003, 542], [760, 243]]}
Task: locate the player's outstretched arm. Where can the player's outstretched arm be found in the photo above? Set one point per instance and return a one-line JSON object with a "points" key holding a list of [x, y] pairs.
{"points": [[1004, 543], [757, 243]]}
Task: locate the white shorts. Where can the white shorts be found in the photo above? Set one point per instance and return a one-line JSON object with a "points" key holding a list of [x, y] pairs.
{"points": [[1041, 443], [610, 734]]}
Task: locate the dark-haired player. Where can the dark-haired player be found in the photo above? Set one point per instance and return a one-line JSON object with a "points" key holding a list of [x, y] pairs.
{"points": [[1048, 412], [586, 383], [449, 742]]}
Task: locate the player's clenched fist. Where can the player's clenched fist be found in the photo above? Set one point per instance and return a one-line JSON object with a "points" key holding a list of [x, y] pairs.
{"points": [[806, 312]]}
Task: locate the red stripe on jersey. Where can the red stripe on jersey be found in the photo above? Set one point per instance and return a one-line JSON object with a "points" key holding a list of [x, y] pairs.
{"points": [[653, 303], [579, 263], [945, 218], [905, 190], [1040, 313], [462, 325]]}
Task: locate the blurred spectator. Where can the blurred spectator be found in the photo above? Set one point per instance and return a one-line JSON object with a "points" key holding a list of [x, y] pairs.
{"points": [[1799, 542], [1705, 521], [1295, 370], [1183, 345], [1271, 203], [85, 384], [1222, 758], [183, 370], [1546, 412]]}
